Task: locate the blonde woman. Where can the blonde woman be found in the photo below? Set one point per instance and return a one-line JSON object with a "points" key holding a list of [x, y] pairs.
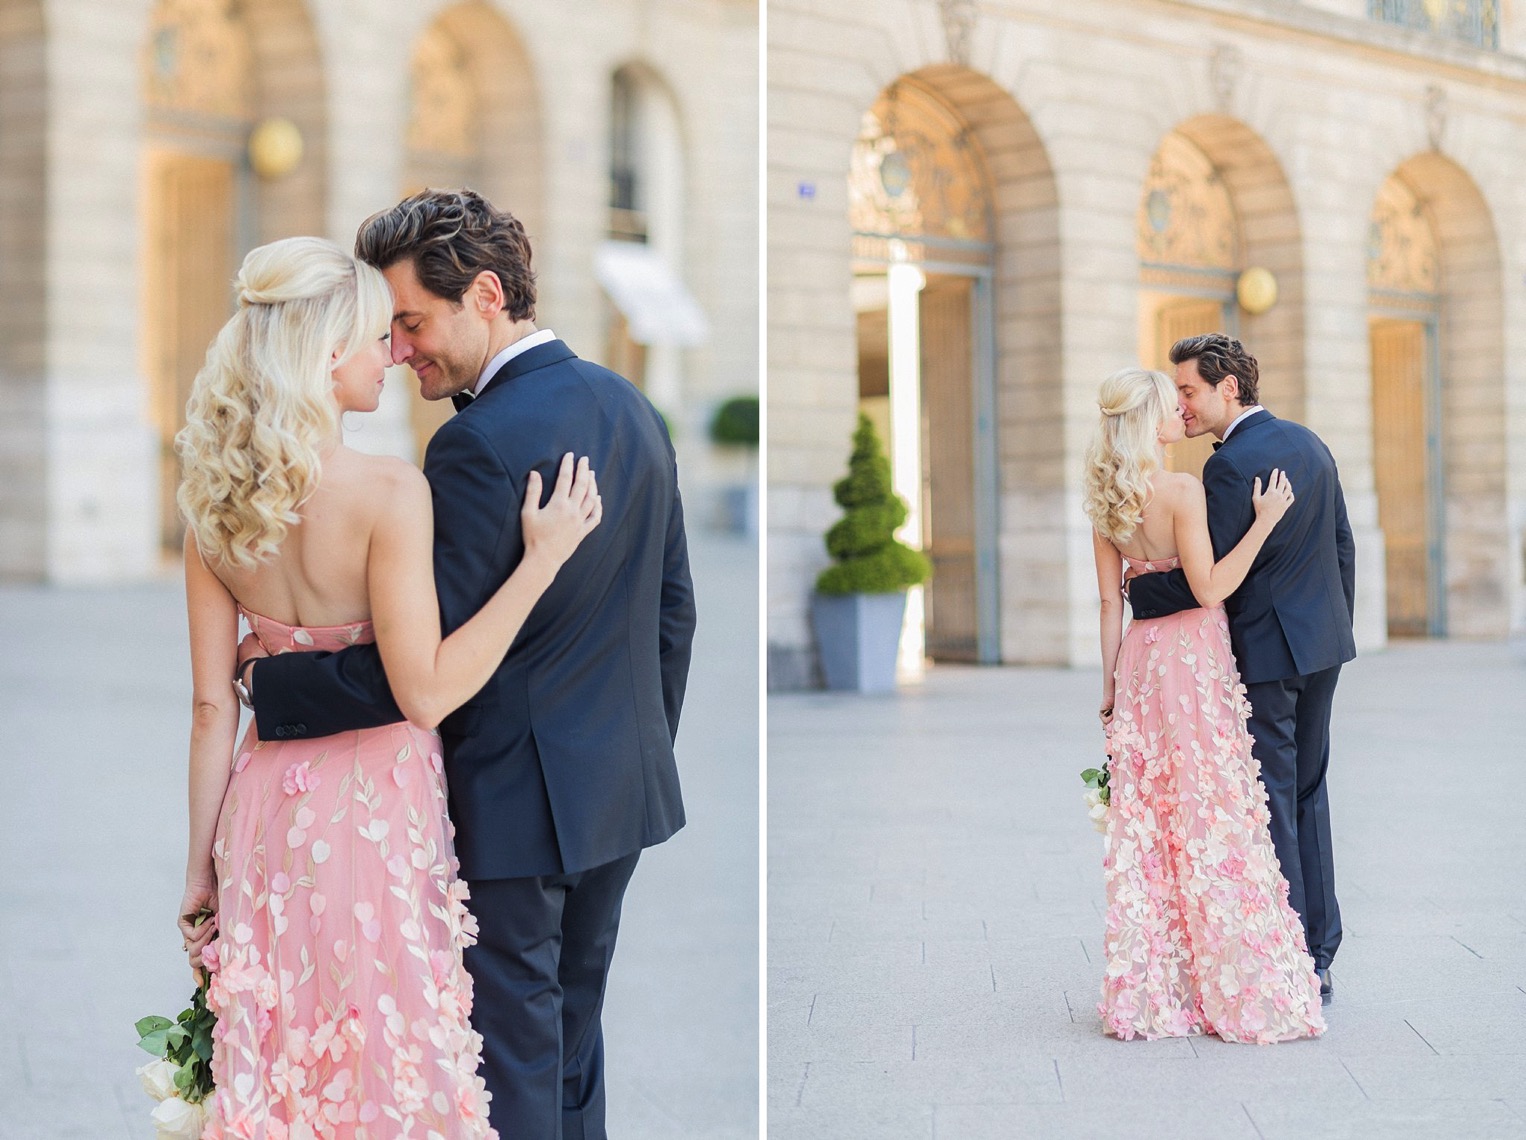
{"points": [[1200, 937], [337, 975]]}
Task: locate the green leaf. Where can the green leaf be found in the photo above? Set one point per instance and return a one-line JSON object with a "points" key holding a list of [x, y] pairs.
{"points": [[1091, 775], [153, 1043], [183, 1077], [146, 1025]]}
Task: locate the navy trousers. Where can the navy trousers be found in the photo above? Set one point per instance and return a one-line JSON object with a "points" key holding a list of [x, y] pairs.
{"points": [[1290, 720], [539, 970]]}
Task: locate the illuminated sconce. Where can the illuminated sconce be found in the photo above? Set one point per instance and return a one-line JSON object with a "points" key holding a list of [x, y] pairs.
{"points": [[1256, 290], [275, 148]]}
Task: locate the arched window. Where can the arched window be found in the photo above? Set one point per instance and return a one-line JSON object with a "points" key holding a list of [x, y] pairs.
{"points": [[651, 315]]}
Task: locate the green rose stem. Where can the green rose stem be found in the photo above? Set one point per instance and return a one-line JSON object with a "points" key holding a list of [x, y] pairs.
{"points": [[185, 1042]]}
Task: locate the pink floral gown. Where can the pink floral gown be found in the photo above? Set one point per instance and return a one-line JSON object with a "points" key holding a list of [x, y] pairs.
{"points": [[1200, 936], [342, 1004]]}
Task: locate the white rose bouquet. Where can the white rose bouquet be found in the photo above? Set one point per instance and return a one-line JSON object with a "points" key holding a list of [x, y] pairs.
{"points": [[1098, 796], [180, 1078]]}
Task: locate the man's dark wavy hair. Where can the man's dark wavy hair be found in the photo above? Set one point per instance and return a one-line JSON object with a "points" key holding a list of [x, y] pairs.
{"points": [[451, 236], [1218, 356]]}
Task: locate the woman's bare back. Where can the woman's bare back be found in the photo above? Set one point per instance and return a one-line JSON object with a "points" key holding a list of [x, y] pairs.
{"points": [[1154, 540], [319, 576]]}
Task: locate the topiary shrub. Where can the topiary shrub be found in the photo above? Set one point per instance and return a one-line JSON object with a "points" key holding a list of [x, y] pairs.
{"points": [[870, 559], [736, 422]]}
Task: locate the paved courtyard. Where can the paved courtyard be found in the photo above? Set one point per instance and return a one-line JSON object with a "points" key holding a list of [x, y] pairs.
{"points": [[95, 701], [935, 920]]}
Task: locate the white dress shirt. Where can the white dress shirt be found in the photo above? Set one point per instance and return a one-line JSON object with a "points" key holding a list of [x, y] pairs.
{"points": [[523, 344], [1234, 423]]}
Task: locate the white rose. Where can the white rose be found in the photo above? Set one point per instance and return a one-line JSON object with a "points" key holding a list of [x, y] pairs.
{"points": [[1093, 797], [1098, 814], [158, 1078], [177, 1120]]}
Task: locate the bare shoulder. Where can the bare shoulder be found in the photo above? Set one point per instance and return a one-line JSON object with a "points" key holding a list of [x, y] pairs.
{"points": [[1173, 488], [383, 483]]}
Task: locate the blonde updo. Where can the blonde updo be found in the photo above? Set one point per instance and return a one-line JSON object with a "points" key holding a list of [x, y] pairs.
{"points": [[1122, 456], [261, 409]]}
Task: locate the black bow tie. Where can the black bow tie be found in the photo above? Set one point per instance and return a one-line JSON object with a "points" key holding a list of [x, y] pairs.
{"points": [[461, 399], [1216, 445]]}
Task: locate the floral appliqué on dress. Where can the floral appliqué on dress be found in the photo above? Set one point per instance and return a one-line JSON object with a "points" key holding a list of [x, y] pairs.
{"points": [[342, 1002], [1200, 937]]}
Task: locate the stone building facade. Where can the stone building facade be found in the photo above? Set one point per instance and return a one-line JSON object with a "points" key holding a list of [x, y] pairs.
{"points": [[127, 198], [1012, 200]]}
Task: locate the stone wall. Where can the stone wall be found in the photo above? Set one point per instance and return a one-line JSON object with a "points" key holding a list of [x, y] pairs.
{"points": [[78, 456], [1306, 111]]}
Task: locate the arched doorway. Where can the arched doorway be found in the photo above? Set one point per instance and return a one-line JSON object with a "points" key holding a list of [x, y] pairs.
{"points": [[210, 70], [198, 88], [1214, 204], [473, 120], [921, 208], [1404, 291], [1434, 313], [1188, 239]]}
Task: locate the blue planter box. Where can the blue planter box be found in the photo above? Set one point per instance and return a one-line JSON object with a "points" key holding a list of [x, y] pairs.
{"points": [[858, 635]]}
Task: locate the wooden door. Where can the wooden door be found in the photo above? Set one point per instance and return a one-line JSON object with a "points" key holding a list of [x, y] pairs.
{"points": [[1176, 320], [188, 294], [1400, 463], [948, 459]]}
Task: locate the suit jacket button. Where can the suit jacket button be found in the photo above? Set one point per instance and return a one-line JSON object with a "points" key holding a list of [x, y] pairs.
{"points": [[299, 729]]}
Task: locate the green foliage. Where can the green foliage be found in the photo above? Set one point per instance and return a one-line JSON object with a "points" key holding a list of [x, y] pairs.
{"points": [[736, 422], [185, 1042], [1098, 778], [870, 559]]}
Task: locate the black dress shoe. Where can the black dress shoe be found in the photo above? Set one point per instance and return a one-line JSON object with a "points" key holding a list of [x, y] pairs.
{"points": [[1326, 989]]}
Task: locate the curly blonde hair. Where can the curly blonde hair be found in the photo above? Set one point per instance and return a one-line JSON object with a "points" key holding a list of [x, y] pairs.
{"points": [[261, 410], [1122, 456]]}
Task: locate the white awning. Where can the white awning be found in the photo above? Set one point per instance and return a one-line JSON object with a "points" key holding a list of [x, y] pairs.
{"points": [[656, 305]]}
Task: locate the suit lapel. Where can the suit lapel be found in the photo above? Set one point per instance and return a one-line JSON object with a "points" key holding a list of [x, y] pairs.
{"points": [[541, 356], [1247, 425]]}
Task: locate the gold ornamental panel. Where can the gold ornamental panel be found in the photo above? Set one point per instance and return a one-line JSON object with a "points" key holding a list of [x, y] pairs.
{"points": [[199, 60], [1186, 219], [917, 172], [1401, 243], [443, 104]]}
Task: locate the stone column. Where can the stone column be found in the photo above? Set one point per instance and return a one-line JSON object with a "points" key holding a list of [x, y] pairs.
{"points": [[99, 450]]}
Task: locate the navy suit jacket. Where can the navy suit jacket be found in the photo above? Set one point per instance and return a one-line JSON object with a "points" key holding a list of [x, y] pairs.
{"points": [[564, 760], [1292, 615]]}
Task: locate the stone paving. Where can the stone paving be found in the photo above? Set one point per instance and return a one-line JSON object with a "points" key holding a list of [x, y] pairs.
{"points": [[935, 920], [94, 703]]}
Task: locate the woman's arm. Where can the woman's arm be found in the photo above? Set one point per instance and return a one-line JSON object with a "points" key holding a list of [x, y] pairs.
{"points": [[430, 677], [1212, 581], [213, 618], [1110, 590]]}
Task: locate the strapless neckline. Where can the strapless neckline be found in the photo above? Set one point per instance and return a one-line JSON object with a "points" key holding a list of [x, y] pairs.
{"points": [[1151, 565], [281, 637]]}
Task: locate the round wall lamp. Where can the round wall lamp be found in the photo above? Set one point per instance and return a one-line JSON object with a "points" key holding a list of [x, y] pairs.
{"points": [[275, 147], [1256, 290]]}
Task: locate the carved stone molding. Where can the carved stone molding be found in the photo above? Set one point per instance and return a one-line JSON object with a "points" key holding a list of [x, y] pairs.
{"points": [[1223, 75], [1435, 115], [958, 24]]}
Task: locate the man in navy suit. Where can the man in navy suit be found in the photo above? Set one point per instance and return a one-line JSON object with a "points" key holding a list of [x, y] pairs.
{"points": [[561, 769], [1291, 620]]}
